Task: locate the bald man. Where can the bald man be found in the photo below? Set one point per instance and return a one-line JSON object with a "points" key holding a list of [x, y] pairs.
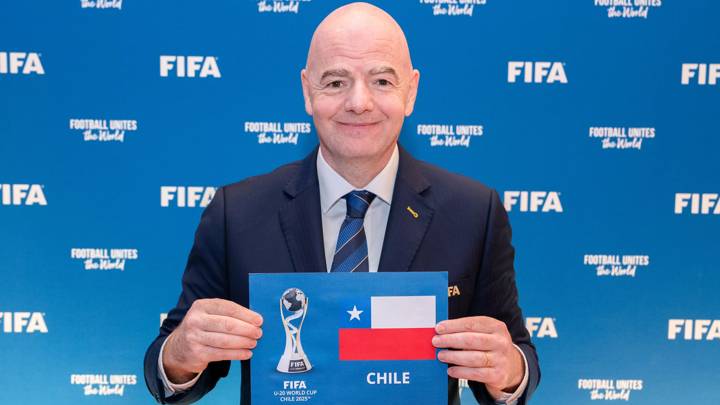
{"points": [[358, 85]]}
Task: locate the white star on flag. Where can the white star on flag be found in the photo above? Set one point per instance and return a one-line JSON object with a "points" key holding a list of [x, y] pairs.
{"points": [[354, 314]]}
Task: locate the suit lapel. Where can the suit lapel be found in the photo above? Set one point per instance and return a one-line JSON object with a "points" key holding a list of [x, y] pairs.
{"points": [[300, 219], [410, 214]]}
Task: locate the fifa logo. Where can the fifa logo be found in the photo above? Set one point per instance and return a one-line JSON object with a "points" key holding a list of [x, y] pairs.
{"points": [[21, 63], [533, 201], [705, 203], [22, 194], [694, 329], [537, 72], [186, 196], [541, 327], [189, 66], [23, 322], [702, 73]]}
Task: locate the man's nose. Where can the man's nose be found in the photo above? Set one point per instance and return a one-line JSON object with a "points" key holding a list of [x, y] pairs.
{"points": [[359, 99]]}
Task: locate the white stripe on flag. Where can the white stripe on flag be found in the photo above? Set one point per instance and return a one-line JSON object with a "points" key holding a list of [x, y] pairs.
{"points": [[415, 311]]}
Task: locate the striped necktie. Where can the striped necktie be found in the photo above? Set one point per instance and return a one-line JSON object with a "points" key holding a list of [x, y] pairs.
{"points": [[351, 253]]}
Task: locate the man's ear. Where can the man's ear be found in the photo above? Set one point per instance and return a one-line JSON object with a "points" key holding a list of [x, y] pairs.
{"points": [[412, 92], [306, 91]]}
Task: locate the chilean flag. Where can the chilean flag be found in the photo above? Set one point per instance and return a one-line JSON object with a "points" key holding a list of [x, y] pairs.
{"points": [[388, 328]]}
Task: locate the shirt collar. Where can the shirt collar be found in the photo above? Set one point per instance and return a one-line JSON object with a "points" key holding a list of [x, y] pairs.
{"points": [[333, 186]]}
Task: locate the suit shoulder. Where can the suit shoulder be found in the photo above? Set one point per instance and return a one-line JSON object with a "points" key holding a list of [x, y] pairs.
{"points": [[462, 204], [453, 185], [265, 188], [263, 185]]}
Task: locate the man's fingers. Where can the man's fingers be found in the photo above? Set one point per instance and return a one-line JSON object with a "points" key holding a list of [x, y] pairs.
{"points": [[229, 325], [467, 341], [489, 376], [223, 340], [228, 308], [483, 324], [215, 354], [467, 358]]}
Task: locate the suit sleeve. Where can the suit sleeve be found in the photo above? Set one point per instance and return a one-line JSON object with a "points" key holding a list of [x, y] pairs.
{"points": [[496, 295], [205, 277]]}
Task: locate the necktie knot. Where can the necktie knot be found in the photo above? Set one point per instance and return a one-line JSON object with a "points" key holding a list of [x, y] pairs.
{"points": [[358, 202]]}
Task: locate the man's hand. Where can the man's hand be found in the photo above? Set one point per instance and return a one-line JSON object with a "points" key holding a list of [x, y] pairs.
{"points": [[212, 330], [485, 352]]}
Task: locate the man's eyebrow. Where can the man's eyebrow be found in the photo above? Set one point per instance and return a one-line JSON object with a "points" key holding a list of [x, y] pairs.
{"points": [[335, 72], [383, 70]]}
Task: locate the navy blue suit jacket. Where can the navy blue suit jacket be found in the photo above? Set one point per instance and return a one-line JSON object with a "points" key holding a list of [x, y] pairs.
{"points": [[272, 223]]}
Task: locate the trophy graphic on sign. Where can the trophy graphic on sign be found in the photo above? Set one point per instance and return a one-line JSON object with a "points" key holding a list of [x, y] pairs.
{"points": [[294, 360]]}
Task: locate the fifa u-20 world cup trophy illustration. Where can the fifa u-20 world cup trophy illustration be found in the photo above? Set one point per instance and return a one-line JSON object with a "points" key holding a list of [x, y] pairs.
{"points": [[294, 360]]}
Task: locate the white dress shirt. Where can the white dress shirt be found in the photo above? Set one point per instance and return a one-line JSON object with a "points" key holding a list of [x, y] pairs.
{"points": [[332, 189], [333, 208]]}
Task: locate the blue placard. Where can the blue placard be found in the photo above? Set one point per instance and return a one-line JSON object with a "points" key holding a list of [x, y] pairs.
{"points": [[353, 338]]}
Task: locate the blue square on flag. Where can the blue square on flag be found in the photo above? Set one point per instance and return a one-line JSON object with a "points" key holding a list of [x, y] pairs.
{"points": [[348, 338]]}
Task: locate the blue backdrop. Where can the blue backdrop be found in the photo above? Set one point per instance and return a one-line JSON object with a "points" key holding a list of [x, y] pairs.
{"points": [[596, 120]]}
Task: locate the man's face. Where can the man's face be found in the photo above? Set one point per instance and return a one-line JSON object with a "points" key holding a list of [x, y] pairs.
{"points": [[359, 86]]}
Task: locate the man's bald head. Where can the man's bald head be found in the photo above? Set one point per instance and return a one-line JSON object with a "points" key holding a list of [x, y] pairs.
{"points": [[354, 23], [359, 85]]}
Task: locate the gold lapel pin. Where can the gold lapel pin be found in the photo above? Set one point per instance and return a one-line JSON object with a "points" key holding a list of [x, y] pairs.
{"points": [[412, 212]]}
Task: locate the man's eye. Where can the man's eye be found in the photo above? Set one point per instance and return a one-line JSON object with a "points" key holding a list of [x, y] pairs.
{"points": [[383, 82], [335, 84]]}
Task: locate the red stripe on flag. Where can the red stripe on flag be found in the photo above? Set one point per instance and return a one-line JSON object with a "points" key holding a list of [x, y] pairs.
{"points": [[386, 344]]}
